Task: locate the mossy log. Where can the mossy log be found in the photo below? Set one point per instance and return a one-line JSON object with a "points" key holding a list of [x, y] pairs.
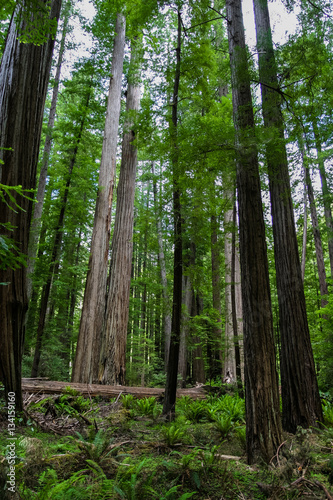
{"points": [[108, 391]]}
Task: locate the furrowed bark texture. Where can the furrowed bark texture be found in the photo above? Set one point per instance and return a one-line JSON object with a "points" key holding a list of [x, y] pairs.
{"points": [[113, 352], [38, 209], [89, 341], [172, 372], [300, 396], [24, 75], [261, 382]]}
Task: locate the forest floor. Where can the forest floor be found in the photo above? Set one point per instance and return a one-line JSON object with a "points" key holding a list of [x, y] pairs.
{"points": [[72, 447]]}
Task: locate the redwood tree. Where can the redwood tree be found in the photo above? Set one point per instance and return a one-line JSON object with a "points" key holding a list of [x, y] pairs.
{"points": [[85, 368], [263, 430], [24, 75], [113, 350], [38, 209], [315, 228], [327, 197], [172, 370], [300, 395]]}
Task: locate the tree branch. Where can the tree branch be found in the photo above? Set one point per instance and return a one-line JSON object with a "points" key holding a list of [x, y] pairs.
{"points": [[311, 77], [319, 8], [221, 15], [199, 24], [277, 89]]}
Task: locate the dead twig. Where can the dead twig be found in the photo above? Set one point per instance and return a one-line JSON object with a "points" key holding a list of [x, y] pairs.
{"points": [[95, 424], [41, 399], [48, 428], [298, 480], [116, 401], [89, 396], [26, 401], [85, 419], [277, 454], [227, 457], [117, 445], [313, 484], [327, 493]]}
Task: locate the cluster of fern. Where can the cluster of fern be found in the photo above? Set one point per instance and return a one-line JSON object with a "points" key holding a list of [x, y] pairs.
{"points": [[134, 453]]}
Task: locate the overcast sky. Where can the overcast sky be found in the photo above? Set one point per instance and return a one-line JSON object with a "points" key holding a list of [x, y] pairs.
{"points": [[282, 22]]}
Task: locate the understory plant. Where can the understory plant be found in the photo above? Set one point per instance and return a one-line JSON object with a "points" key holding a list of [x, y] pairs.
{"points": [[95, 446], [224, 425], [148, 407], [328, 413], [179, 460], [173, 434]]}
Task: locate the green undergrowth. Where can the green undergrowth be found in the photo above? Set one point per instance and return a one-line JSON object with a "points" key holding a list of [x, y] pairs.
{"points": [[131, 452]]}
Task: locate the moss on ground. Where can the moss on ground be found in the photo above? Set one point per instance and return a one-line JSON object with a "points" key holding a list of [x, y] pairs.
{"points": [[78, 449]]}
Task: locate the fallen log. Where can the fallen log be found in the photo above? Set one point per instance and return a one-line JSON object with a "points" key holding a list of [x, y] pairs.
{"points": [[108, 391]]}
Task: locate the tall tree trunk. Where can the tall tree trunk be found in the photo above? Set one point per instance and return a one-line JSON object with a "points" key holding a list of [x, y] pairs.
{"points": [[305, 215], [187, 293], [229, 368], [38, 208], [171, 382], [67, 340], [263, 430], [215, 347], [89, 340], [236, 302], [300, 395], [326, 194], [137, 290], [316, 233], [54, 262], [165, 291], [158, 336], [143, 318], [198, 365], [24, 75], [113, 352]]}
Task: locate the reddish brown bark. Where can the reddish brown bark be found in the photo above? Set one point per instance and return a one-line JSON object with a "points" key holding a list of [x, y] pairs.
{"points": [[24, 75], [113, 353], [38, 209], [261, 383], [301, 405], [89, 340]]}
